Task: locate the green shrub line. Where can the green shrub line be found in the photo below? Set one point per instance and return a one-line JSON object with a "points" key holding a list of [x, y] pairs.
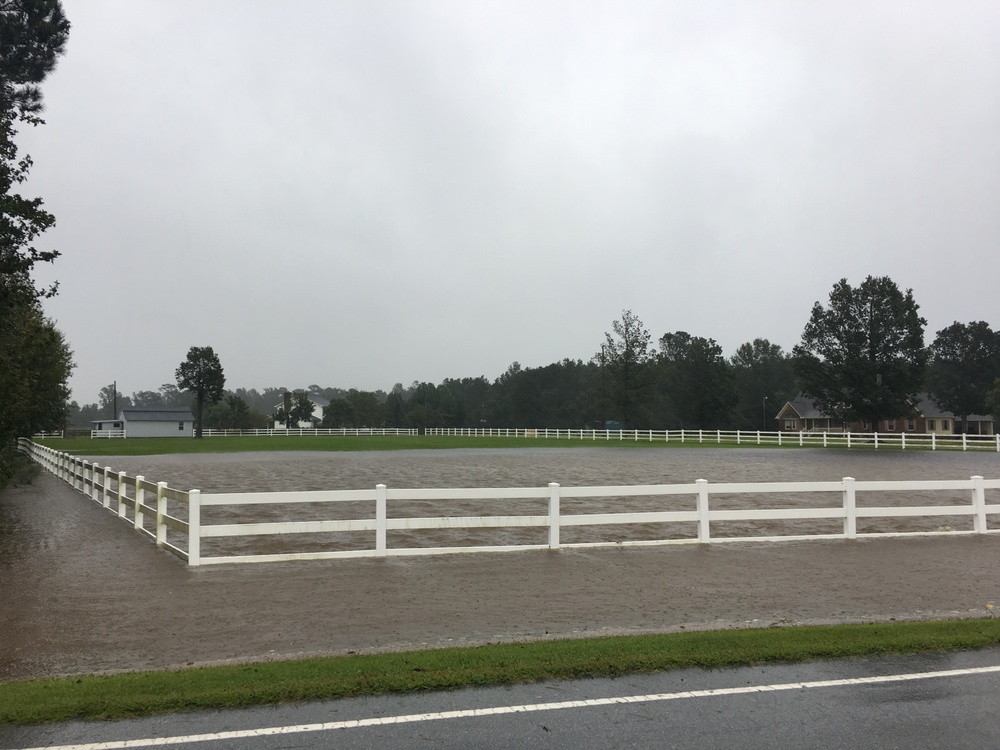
{"points": [[120, 696]]}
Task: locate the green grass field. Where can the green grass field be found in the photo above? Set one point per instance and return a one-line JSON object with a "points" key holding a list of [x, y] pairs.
{"points": [[144, 694], [85, 446]]}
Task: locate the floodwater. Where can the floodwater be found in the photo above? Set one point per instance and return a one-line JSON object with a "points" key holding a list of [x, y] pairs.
{"points": [[82, 592], [536, 467]]}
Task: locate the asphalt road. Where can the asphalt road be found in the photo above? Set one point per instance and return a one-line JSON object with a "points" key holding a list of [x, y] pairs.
{"points": [[929, 700]]}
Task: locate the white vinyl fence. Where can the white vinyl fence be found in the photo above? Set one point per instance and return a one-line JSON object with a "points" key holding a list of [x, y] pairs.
{"points": [[293, 431], [876, 440], [181, 512], [901, 440]]}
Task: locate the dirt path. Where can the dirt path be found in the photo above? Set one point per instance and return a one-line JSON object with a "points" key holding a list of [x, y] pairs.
{"points": [[81, 592]]}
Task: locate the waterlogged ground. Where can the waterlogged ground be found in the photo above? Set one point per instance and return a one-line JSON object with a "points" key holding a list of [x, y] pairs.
{"points": [[82, 592], [272, 472]]}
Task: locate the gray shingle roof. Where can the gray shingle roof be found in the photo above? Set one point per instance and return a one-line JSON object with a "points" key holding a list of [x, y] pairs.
{"points": [[149, 414]]}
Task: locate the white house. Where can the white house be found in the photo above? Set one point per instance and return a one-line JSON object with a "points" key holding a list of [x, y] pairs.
{"points": [[318, 403], [156, 422]]}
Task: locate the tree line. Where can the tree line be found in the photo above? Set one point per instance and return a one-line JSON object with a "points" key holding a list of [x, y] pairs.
{"points": [[35, 361], [861, 358]]}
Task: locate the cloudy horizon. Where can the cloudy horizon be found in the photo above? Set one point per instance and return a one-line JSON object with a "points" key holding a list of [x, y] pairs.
{"points": [[359, 193]]}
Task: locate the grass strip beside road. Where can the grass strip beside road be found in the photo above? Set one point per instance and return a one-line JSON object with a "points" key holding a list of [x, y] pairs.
{"points": [[144, 694]]}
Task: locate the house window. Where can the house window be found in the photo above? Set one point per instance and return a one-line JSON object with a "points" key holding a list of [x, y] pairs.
{"points": [[180, 426], [790, 424], [866, 426], [931, 425], [944, 424], [890, 425], [911, 425]]}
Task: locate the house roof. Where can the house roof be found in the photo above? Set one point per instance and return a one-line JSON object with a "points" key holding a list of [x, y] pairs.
{"points": [[804, 408], [316, 399], [151, 414], [929, 409]]}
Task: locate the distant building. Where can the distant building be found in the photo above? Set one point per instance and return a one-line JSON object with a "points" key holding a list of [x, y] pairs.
{"points": [[924, 418], [319, 404], [156, 422]]}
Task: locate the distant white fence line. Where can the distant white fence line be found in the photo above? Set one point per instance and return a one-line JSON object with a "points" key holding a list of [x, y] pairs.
{"points": [[900, 440], [294, 431], [180, 512], [747, 437]]}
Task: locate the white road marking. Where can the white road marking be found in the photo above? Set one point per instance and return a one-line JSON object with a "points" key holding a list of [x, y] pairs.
{"points": [[502, 710]]}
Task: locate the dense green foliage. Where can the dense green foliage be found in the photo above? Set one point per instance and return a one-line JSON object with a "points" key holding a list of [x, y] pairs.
{"points": [[35, 361], [965, 360], [201, 374], [144, 694], [863, 357]]}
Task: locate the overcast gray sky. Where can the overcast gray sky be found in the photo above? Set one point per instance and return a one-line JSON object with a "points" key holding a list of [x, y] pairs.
{"points": [[358, 193]]}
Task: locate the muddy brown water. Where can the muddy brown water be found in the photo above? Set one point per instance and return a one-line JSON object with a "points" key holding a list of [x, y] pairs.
{"points": [[81, 592], [270, 472]]}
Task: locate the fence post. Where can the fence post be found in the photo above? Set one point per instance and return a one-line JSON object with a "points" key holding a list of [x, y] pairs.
{"points": [[107, 488], [979, 505], [965, 444], [933, 441], [850, 509], [161, 511], [194, 527], [140, 497], [121, 494], [83, 478], [902, 442], [703, 528], [553, 515], [800, 438], [876, 440], [848, 438], [380, 519]]}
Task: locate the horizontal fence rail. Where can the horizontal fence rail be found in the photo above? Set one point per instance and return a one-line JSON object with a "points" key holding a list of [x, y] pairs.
{"points": [[152, 508], [812, 439], [901, 440], [157, 510]]}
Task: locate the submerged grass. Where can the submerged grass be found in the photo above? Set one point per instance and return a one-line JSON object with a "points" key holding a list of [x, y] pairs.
{"points": [[144, 694]]}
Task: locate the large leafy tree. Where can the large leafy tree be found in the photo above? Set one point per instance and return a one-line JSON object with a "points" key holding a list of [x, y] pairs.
{"points": [[35, 361], [33, 34], [35, 364], [863, 357], [695, 382], [201, 374], [993, 399], [964, 363], [624, 360], [765, 379]]}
